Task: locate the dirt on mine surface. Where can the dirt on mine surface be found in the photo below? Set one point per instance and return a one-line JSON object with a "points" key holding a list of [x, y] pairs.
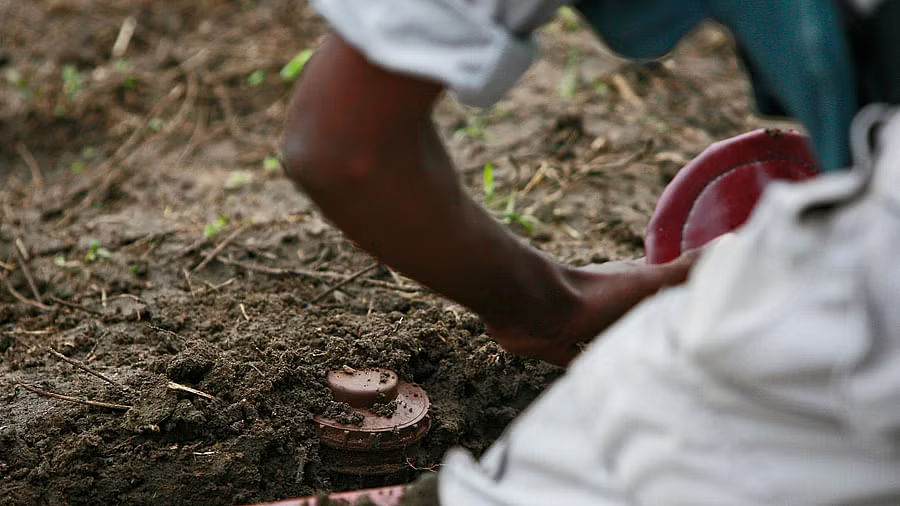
{"points": [[138, 191]]}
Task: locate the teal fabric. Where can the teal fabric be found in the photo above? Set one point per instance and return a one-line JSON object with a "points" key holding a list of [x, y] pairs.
{"points": [[795, 50]]}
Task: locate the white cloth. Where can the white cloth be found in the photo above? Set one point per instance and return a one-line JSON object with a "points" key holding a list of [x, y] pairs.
{"points": [[477, 48], [771, 378]]}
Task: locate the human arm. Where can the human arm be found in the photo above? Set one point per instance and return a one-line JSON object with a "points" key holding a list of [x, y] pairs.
{"points": [[360, 141]]}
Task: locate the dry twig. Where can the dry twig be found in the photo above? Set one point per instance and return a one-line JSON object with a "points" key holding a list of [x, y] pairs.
{"points": [[21, 252], [21, 298], [184, 388], [194, 246], [75, 306], [218, 249], [187, 278], [319, 276], [124, 37], [164, 331], [36, 177], [353, 276], [212, 288], [77, 400], [392, 286], [87, 369], [42, 332], [231, 121], [626, 91]]}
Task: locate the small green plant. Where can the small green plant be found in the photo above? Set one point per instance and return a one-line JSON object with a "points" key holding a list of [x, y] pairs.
{"points": [[211, 229], [238, 179], [77, 167], [123, 66], [511, 216], [601, 88], [568, 18], [271, 164], [256, 78], [96, 251], [475, 127], [15, 78], [80, 163], [487, 181], [71, 80], [507, 202], [60, 261], [292, 69], [155, 124], [568, 84]]}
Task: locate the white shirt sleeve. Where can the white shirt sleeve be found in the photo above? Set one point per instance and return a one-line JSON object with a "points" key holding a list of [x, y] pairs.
{"points": [[476, 48]]}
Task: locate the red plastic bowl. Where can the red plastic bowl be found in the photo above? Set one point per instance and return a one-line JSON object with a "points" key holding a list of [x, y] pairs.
{"points": [[716, 192]]}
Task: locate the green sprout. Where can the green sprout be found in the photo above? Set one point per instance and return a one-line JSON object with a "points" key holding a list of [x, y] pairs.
{"points": [[475, 127], [568, 84], [15, 78], [123, 66], [569, 19], [71, 80], [601, 88], [271, 164], [510, 215], [508, 202], [77, 167], [238, 179], [256, 78], [211, 229], [292, 69], [487, 178], [96, 252], [155, 124]]}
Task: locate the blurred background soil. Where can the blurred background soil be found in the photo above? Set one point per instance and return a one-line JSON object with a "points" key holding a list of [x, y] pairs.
{"points": [[146, 231]]}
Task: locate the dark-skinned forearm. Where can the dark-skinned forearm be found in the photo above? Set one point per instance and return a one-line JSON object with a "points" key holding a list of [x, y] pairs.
{"points": [[388, 183]]}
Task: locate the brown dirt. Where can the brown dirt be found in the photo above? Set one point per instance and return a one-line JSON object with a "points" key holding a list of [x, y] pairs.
{"points": [[137, 156]]}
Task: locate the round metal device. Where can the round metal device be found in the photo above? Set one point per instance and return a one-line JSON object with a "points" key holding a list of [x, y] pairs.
{"points": [[394, 420]]}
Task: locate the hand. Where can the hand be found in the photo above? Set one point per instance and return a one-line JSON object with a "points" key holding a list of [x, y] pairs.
{"points": [[605, 293]]}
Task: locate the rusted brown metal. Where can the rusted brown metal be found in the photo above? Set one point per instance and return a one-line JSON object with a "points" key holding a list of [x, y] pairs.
{"points": [[387, 436]]}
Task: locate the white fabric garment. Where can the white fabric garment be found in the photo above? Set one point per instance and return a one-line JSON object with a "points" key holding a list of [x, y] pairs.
{"points": [[771, 378], [477, 48]]}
